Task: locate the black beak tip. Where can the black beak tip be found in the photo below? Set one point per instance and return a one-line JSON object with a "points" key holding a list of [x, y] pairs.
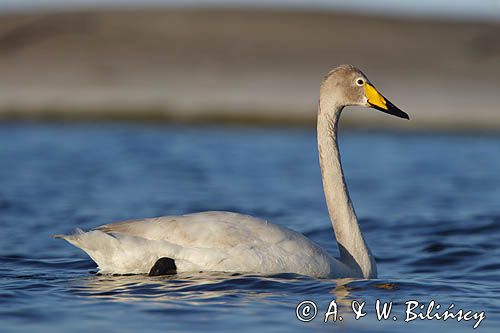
{"points": [[392, 110]]}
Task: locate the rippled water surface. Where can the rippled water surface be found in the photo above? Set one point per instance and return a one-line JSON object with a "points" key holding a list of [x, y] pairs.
{"points": [[428, 205]]}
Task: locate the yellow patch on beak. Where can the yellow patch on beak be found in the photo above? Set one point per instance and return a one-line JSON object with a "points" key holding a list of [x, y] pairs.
{"points": [[374, 97]]}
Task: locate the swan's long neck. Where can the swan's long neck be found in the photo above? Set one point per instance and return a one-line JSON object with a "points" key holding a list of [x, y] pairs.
{"points": [[353, 249]]}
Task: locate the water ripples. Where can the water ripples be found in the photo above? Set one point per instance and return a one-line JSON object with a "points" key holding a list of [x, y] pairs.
{"points": [[430, 217]]}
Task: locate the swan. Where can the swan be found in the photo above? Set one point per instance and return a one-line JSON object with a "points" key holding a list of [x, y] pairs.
{"points": [[231, 242]]}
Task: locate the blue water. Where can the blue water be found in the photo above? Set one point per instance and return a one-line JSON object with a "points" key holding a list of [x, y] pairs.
{"points": [[428, 205]]}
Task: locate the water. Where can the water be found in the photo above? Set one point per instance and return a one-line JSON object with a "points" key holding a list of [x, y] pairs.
{"points": [[429, 207]]}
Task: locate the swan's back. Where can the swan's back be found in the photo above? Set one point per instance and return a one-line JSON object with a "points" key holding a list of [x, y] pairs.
{"points": [[215, 230], [208, 241]]}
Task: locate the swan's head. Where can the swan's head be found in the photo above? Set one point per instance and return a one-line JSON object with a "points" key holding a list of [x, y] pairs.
{"points": [[347, 85]]}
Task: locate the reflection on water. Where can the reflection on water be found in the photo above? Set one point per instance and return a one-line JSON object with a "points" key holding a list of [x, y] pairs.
{"points": [[190, 289], [428, 206]]}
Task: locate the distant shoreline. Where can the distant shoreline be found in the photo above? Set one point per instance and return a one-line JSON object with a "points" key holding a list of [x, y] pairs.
{"points": [[237, 66], [246, 119]]}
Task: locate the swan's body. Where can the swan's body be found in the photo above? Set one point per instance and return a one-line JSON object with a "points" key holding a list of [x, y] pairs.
{"points": [[208, 241], [230, 242]]}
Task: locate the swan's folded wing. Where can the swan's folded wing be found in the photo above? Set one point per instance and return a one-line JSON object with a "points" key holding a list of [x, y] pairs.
{"points": [[217, 230]]}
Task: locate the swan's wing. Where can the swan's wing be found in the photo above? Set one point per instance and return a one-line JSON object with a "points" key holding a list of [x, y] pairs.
{"points": [[216, 230]]}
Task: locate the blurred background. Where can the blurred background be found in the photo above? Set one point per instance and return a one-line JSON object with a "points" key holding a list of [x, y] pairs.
{"points": [[248, 61]]}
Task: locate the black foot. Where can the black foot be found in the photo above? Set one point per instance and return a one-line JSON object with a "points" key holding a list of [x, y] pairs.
{"points": [[163, 266]]}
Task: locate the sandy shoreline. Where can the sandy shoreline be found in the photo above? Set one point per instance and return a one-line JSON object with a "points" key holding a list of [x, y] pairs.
{"points": [[247, 66]]}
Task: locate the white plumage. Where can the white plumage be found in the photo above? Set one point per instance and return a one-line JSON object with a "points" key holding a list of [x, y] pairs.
{"points": [[208, 241]]}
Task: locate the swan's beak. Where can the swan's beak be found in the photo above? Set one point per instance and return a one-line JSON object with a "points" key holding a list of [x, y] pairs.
{"points": [[377, 101]]}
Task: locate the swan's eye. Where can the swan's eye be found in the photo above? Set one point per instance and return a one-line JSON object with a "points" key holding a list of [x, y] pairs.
{"points": [[360, 82]]}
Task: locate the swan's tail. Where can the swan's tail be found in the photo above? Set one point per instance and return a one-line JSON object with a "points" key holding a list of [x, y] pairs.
{"points": [[118, 253]]}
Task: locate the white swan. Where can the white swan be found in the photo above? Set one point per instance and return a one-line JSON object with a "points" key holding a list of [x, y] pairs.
{"points": [[230, 242]]}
